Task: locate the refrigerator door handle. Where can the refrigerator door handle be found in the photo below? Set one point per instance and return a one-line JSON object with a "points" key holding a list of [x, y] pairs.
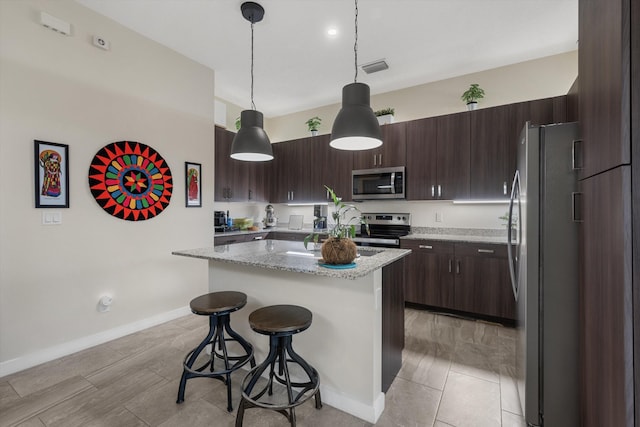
{"points": [[512, 266]]}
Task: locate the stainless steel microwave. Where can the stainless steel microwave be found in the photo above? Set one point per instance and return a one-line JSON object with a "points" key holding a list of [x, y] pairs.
{"points": [[383, 183]]}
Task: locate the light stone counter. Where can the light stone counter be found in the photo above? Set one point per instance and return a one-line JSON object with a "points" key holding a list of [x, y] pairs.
{"points": [[292, 256], [469, 235]]}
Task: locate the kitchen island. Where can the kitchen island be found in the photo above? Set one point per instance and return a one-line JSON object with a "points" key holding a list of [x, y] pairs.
{"points": [[356, 338]]}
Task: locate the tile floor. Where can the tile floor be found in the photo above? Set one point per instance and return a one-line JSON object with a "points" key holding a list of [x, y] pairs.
{"points": [[455, 372]]}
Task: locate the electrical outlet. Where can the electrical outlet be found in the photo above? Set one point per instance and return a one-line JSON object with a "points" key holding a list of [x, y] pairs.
{"points": [[438, 216]]}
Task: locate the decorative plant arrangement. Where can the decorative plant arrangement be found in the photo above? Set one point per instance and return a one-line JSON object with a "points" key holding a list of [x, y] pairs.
{"points": [[313, 124], [339, 248], [238, 124], [472, 95], [385, 116]]}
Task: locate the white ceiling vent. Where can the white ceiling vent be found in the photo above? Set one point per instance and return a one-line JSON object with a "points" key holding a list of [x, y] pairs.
{"points": [[375, 66]]}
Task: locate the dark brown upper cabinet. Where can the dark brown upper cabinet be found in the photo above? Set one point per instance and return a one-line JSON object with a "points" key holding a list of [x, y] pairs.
{"points": [[391, 153]]}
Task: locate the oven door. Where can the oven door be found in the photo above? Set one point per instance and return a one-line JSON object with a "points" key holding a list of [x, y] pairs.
{"points": [[384, 183]]}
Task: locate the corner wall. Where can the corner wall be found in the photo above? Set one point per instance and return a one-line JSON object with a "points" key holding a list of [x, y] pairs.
{"points": [[63, 89]]}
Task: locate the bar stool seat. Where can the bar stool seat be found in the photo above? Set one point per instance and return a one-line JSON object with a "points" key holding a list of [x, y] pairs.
{"points": [[218, 306], [280, 323]]}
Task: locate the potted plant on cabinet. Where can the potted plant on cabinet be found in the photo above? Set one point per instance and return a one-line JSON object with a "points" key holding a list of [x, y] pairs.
{"points": [[472, 95], [238, 123], [385, 116], [338, 248], [313, 124]]}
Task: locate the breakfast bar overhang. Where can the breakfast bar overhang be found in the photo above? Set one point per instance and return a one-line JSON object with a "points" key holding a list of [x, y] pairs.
{"points": [[356, 338]]}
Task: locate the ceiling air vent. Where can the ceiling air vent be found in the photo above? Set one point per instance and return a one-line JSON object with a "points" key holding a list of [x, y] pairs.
{"points": [[375, 66]]}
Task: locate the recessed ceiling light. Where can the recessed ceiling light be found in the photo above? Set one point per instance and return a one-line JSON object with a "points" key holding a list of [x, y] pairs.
{"points": [[332, 32]]}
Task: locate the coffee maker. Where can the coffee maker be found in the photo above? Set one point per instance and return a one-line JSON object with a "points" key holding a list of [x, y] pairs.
{"points": [[270, 219], [320, 217], [219, 220]]}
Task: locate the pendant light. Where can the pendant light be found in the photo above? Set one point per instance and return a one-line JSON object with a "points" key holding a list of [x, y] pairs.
{"points": [[251, 143], [355, 126]]}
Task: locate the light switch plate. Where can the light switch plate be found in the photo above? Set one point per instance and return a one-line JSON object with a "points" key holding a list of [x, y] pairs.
{"points": [[51, 218]]}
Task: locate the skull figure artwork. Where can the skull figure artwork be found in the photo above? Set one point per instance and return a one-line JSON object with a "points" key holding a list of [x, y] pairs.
{"points": [[50, 161]]}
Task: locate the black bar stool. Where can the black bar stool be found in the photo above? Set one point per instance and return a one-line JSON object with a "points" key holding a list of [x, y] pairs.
{"points": [[280, 322], [218, 306]]}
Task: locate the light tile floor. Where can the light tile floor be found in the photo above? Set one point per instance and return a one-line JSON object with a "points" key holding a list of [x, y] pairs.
{"points": [[455, 372]]}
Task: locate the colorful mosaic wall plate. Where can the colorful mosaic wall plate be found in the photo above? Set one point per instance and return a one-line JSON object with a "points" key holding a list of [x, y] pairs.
{"points": [[130, 181]]}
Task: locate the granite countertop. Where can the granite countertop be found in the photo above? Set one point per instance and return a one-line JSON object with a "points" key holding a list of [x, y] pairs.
{"points": [[470, 235], [292, 256], [304, 230]]}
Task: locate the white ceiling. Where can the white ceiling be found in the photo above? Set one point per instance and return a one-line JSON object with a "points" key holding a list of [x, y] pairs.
{"points": [[297, 66]]}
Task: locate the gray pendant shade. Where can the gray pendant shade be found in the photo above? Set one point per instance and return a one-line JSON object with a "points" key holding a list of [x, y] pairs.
{"points": [[251, 143], [355, 126]]}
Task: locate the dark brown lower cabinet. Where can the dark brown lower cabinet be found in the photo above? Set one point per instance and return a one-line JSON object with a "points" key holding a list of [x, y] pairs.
{"points": [[392, 321], [467, 277], [482, 283], [428, 273]]}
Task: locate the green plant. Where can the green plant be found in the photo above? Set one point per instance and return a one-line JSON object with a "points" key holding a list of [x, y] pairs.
{"points": [[473, 94], [384, 112], [313, 123], [238, 123], [340, 229]]}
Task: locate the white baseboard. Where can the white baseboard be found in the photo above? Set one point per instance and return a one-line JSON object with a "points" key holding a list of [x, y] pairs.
{"points": [[369, 413], [51, 353]]}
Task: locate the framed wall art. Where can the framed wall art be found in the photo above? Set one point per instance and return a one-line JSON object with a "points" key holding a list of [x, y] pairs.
{"points": [[130, 181], [51, 166], [193, 187]]}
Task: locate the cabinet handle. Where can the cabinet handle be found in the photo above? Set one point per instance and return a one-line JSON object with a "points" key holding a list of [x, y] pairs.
{"points": [[292, 196], [379, 159], [458, 267], [504, 188], [374, 160], [486, 251], [450, 262], [230, 194], [425, 246], [576, 154], [250, 196], [439, 191], [433, 191], [576, 207]]}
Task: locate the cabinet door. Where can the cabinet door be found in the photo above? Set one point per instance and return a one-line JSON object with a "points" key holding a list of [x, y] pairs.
{"points": [[421, 159], [482, 283], [429, 273], [490, 152], [392, 321], [607, 294], [453, 156], [604, 69], [330, 167], [391, 153], [231, 176]]}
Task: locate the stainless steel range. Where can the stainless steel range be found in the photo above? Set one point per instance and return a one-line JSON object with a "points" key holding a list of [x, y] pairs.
{"points": [[385, 229]]}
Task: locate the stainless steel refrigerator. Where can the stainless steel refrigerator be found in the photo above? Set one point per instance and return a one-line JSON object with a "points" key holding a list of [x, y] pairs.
{"points": [[543, 260]]}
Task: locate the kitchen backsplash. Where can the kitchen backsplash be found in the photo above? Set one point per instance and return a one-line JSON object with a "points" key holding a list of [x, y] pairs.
{"points": [[423, 214]]}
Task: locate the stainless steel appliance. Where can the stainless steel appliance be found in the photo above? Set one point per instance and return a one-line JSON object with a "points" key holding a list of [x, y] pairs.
{"points": [[320, 213], [543, 261], [219, 220], [383, 183], [385, 229], [270, 219]]}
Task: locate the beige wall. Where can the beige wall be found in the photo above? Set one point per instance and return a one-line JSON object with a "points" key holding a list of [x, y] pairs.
{"points": [[540, 78], [63, 89]]}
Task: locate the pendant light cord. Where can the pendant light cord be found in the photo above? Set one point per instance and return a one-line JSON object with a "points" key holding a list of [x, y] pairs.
{"points": [[253, 105], [355, 45]]}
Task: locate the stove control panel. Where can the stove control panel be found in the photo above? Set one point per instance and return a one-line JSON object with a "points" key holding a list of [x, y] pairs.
{"points": [[388, 218]]}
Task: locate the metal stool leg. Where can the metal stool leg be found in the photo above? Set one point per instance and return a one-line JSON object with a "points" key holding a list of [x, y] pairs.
{"points": [[213, 321]]}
